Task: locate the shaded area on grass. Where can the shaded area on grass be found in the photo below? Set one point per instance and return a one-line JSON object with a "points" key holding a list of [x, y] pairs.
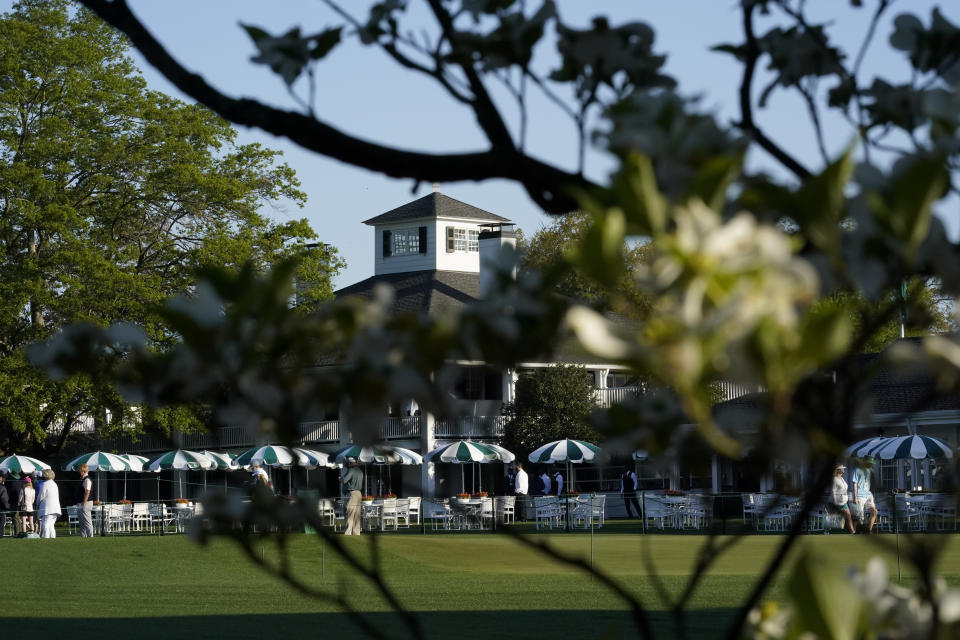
{"points": [[704, 623]]}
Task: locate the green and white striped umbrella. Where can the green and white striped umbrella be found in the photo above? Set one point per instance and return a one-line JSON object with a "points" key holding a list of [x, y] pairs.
{"points": [[268, 455], [21, 464], [138, 464], [181, 460], [465, 452], [378, 455], [571, 451], [312, 459], [224, 461], [99, 461]]}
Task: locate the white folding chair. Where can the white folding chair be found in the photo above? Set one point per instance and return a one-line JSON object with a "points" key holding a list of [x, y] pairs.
{"points": [[415, 505], [388, 514], [506, 509]]}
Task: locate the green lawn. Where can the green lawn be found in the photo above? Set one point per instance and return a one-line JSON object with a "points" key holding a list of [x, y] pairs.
{"points": [[470, 586]]}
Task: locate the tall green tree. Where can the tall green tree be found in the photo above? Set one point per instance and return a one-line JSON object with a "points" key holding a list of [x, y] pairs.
{"points": [[547, 252], [111, 196], [550, 403]]}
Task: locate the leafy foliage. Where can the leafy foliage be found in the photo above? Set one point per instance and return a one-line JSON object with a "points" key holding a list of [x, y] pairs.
{"points": [[546, 253], [551, 403], [112, 196]]}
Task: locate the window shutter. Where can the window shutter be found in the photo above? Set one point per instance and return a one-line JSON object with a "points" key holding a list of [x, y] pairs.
{"points": [[387, 248], [423, 239], [451, 244]]}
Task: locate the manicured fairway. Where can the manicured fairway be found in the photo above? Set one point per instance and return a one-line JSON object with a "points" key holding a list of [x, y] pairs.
{"points": [[464, 586]]}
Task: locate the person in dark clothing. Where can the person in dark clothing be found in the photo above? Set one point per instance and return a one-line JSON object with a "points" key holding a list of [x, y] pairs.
{"points": [[4, 507], [14, 491], [628, 489]]}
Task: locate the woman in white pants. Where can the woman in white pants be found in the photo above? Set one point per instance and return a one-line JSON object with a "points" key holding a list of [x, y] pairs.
{"points": [[48, 505]]}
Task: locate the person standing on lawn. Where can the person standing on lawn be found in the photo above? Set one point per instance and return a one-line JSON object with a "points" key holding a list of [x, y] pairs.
{"points": [[861, 491], [48, 502], [544, 484], [26, 506], [352, 482], [840, 497], [4, 507], [521, 486], [628, 489], [83, 498], [558, 480]]}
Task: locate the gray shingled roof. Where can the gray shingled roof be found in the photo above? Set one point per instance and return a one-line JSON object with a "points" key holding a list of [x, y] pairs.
{"points": [[429, 292], [434, 205], [440, 292]]}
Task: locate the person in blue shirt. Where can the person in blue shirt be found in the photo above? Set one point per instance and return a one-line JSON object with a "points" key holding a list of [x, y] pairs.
{"points": [[861, 491], [352, 482]]}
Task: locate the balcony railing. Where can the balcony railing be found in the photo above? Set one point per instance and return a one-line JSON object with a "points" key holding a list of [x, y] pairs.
{"points": [[319, 431], [606, 398], [400, 428], [487, 427]]}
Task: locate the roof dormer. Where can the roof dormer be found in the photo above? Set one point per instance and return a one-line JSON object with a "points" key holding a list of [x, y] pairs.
{"points": [[434, 232]]}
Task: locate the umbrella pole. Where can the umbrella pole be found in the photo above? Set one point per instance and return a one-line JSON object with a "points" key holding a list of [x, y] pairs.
{"points": [[159, 506]]}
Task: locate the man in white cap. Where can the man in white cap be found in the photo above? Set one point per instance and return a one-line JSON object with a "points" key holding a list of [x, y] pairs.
{"points": [[352, 482], [259, 475]]}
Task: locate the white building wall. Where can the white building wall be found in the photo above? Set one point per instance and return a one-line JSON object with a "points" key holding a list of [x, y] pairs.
{"points": [[407, 262], [436, 256], [468, 261]]}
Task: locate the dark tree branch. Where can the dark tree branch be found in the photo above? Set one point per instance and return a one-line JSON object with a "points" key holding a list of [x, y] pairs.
{"points": [[548, 186], [746, 124], [391, 49], [488, 116]]}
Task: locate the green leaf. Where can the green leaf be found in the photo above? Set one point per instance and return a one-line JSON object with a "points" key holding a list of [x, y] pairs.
{"points": [[714, 179], [738, 51], [324, 43], [827, 604], [821, 203], [601, 253], [905, 209], [826, 333], [635, 190]]}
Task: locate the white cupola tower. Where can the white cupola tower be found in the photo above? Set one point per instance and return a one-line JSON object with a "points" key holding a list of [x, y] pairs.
{"points": [[435, 232]]}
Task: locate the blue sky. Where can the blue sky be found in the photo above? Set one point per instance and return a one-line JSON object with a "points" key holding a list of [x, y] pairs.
{"points": [[364, 93]]}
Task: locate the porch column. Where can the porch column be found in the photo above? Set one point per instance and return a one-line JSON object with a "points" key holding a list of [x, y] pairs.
{"points": [[715, 473], [602, 378], [509, 384], [428, 443]]}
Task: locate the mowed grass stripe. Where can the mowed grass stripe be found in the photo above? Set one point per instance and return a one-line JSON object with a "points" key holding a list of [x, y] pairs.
{"points": [[172, 576]]}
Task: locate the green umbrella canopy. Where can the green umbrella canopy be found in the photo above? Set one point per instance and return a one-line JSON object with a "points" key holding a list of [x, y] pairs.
{"points": [[464, 452], [99, 461], [21, 465], [378, 455], [181, 460], [224, 461], [575, 451]]}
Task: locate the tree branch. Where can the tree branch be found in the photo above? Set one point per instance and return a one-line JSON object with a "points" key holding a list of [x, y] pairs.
{"points": [[746, 124], [548, 186]]}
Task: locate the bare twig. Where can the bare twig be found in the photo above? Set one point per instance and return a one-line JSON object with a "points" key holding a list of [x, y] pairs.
{"points": [[405, 61], [548, 186], [747, 124]]}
